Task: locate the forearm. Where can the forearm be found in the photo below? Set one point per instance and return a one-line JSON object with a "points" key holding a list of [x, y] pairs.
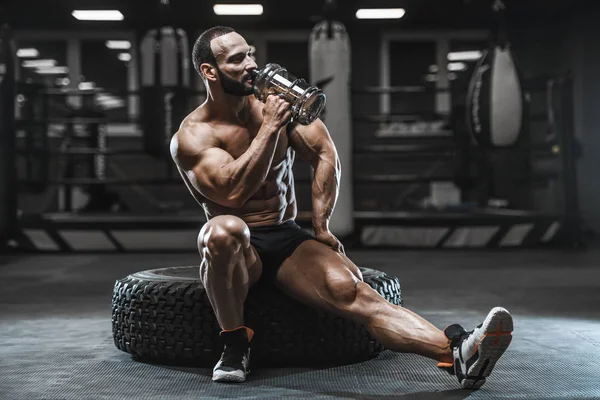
{"points": [[325, 189], [245, 175]]}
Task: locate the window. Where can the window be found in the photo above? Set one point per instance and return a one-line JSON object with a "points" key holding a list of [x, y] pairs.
{"points": [[410, 65]]}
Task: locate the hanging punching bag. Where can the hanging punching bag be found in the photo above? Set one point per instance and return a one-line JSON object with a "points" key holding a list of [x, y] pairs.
{"points": [[165, 85], [329, 48], [495, 102]]}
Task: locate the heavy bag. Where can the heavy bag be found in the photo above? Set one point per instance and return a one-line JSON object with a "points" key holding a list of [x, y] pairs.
{"points": [[495, 102], [329, 55], [8, 173], [165, 84]]}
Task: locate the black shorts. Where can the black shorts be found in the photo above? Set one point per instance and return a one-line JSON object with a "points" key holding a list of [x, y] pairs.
{"points": [[276, 243]]}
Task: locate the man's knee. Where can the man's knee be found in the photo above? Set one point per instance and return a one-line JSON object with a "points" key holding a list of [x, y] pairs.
{"points": [[355, 271], [343, 289], [223, 235]]}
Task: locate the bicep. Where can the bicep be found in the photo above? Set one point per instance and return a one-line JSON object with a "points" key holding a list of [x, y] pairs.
{"points": [[312, 143], [203, 163], [208, 175]]}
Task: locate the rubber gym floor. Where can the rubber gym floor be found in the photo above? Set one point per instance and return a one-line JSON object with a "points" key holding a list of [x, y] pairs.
{"points": [[56, 341]]}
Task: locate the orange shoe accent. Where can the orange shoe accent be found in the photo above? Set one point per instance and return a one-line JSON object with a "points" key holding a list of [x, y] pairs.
{"points": [[498, 333], [249, 331], [444, 364]]}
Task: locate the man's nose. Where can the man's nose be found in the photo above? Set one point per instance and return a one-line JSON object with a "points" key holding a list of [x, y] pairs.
{"points": [[251, 65], [251, 68]]}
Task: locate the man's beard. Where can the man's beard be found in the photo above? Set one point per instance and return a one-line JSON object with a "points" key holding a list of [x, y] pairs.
{"points": [[233, 87]]}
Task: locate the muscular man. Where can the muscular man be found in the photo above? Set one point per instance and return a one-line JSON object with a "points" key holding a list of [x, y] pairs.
{"points": [[235, 155]]}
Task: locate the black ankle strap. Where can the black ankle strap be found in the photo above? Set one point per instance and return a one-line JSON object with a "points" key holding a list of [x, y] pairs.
{"points": [[238, 337], [455, 333]]}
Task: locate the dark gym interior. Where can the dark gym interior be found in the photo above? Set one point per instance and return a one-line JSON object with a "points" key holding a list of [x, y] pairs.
{"points": [[468, 136]]}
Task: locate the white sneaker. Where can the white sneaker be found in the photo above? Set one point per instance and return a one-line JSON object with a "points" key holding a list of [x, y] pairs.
{"points": [[476, 352], [234, 364]]}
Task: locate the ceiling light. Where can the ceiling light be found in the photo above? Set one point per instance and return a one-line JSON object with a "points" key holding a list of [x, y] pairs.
{"points": [[453, 66], [125, 57], [28, 53], [52, 70], [457, 66], [238, 9], [98, 15], [118, 44], [380, 13], [104, 97], [470, 55], [107, 101], [86, 85], [38, 63]]}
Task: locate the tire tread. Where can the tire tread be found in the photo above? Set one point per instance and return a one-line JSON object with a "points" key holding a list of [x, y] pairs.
{"points": [[169, 322]]}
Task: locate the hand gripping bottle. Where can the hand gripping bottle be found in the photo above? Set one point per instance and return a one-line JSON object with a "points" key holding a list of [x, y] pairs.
{"points": [[307, 101]]}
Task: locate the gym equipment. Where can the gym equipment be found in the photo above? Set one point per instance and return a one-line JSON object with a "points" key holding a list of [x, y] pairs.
{"points": [[307, 101], [392, 205], [165, 87], [386, 223], [330, 64], [495, 98], [8, 173], [164, 316], [92, 134], [497, 107], [392, 173]]}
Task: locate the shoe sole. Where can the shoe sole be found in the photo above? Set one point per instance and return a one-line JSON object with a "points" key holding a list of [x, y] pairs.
{"points": [[233, 376], [498, 328]]}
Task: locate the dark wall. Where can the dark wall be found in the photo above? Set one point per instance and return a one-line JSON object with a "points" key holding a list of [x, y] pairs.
{"points": [[542, 48], [558, 46], [585, 31]]}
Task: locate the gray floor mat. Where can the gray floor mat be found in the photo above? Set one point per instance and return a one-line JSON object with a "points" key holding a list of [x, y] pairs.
{"points": [[56, 343]]}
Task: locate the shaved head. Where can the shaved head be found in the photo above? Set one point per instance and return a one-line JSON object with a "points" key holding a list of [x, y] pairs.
{"points": [[202, 51], [231, 42]]}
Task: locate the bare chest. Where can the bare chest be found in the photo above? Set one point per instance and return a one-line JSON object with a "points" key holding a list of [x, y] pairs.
{"points": [[238, 140]]}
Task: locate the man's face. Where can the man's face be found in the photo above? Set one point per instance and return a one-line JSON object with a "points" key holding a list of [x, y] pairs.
{"points": [[234, 64]]}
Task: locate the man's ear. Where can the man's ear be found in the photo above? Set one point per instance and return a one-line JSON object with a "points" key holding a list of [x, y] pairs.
{"points": [[209, 72]]}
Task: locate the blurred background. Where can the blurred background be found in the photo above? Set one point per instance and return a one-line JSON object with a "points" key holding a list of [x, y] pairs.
{"points": [[92, 111], [461, 125]]}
